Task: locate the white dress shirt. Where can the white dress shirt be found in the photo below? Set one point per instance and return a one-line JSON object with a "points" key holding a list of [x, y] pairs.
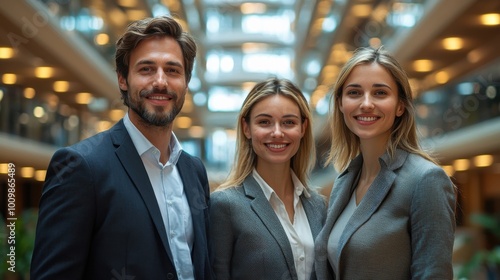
{"points": [[171, 198], [299, 232]]}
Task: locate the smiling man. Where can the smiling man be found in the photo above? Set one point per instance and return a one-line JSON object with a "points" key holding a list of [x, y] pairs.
{"points": [[129, 203]]}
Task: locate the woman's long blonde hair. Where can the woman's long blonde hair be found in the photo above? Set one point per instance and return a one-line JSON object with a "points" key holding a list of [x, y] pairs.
{"points": [[245, 158], [345, 144]]}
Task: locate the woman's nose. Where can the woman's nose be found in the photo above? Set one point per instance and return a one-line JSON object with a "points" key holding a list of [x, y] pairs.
{"points": [[277, 132]]}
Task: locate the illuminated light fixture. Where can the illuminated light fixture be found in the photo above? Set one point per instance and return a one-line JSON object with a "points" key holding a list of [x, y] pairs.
{"points": [[361, 10], [474, 56], [253, 47], [83, 97], [196, 131], [247, 86], [422, 65], [29, 93], [44, 72], [133, 15], [442, 77], [183, 122], [188, 106], [252, 8], [6, 53], [127, 3], [116, 114], [461, 164], [101, 39], [449, 170], [490, 19], [9, 78], [1, 95], [38, 112], [27, 172], [375, 42], [60, 86], [4, 168], [483, 160], [40, 175], [103, 125], [453, 43]]}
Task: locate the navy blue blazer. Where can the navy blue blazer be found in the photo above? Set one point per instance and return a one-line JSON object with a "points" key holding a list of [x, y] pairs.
{"points": [[99, 218]]}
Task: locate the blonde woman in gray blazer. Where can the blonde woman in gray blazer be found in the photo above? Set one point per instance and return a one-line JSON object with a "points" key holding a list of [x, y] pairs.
{"points": [[264, 218], [391, 210]]}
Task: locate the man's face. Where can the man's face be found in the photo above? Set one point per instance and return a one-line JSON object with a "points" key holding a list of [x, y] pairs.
{"points": [[156, 82]]}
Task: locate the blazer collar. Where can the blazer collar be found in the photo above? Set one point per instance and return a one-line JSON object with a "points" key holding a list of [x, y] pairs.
{"points": [[261, 206], [132, 163], [344, 187]]}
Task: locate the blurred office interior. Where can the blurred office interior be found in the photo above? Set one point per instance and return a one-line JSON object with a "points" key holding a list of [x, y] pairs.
{"points": [[58, 84]]}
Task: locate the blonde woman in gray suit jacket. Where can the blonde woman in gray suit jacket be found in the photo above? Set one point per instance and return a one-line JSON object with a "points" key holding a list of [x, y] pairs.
{"points": [[391, 210], [265, 217]]}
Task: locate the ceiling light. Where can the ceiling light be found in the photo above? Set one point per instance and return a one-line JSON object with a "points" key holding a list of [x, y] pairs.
{"points": [[101, 39], [44, 72], [361, 10], [442, 77], [134, 15], [483, 160], [83, 98], [490, 19], [103, 125], [4, 167], [253, 8], [40, 175], [29, 93], [422, 65], [196, 131], [116, 114], [38, 111], [474, 56], [453, 43], [9, 78], [461, 164], [448, 169], [60, 86], [183, 122], [127, 3], [6, 53], [27, 172]]}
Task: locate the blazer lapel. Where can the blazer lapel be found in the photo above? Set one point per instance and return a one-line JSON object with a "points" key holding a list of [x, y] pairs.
{"points": [[315, 220], [132, 163], [265, 212]]}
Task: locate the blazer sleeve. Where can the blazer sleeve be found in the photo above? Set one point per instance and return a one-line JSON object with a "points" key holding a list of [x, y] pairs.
{"points": [[432, 218], [65, 221], [221, 234]]}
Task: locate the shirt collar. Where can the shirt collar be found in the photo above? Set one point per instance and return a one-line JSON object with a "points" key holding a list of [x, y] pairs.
{"points": [[268, 191], [142, 144]]}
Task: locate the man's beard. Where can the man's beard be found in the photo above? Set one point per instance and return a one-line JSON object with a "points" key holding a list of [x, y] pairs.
{"points": [[158, 117]]}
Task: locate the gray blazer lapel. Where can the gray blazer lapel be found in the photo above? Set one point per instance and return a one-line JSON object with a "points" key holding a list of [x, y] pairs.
{"points": [[261, 206], [315, 220], [132, 163]]}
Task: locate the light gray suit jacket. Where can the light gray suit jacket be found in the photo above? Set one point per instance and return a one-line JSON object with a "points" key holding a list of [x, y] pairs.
{"points": [[402, 229], [247, 237]]}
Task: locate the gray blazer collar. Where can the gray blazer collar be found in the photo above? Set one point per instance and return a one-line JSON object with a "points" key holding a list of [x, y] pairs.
{"points": [[344, 187]]}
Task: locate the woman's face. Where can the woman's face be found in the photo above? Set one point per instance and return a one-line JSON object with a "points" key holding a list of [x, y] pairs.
{"points": [[370, 102], [275, 128]]}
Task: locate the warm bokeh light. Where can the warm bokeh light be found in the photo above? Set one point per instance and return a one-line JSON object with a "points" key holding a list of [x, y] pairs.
{"points": [[101, 39], [490, 19], [9, 78], [29, 93], [448, 169], [60, 86], [83, 97], [422, 65], [483, 160], [4, 168], [196, 131], [44, 72], [361, 10], [453, 43], [183, 122], [6, 53], [40, 175], [461, 164], [27, 172], [116, 114], [253, 8], [442, 77]]}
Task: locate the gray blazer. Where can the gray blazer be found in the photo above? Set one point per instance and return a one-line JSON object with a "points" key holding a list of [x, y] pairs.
{"points": [[402, 229], [247, 237]]}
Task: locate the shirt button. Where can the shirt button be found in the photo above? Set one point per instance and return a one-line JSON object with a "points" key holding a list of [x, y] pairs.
{"points": [[301, 258]]}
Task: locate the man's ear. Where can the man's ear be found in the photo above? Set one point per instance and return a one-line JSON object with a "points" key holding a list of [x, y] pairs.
{"points": [[122, 82]]}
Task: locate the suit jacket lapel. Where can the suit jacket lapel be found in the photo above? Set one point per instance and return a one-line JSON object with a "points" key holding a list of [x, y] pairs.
{"points": [[131, 161], [315, 220], [265, 212], [198, 205]]}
